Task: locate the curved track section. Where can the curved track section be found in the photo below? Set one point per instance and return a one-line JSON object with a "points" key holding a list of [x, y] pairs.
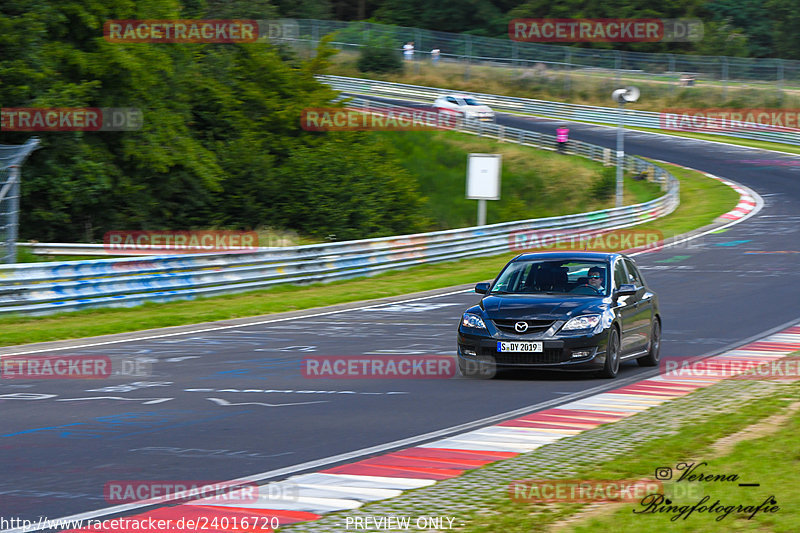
{"points": [[225, 403]]}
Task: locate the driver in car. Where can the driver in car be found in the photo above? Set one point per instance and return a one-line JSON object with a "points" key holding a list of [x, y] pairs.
{"points": [[596, 279]]}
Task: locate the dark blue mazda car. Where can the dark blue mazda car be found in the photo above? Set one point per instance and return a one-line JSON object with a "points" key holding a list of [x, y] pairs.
{"points": [[564, 311]]}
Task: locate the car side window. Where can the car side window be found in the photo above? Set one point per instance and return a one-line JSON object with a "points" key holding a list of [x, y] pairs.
{"points": [[452, 100], [638, 272], [620, 277], [633, 273]]}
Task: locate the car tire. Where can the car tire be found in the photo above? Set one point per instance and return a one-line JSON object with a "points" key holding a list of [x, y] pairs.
{"points": [[611, 366], [654, 352]]}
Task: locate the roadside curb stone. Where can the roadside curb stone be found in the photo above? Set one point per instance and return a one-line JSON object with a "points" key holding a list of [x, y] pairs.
{"points": [[471, 492]]}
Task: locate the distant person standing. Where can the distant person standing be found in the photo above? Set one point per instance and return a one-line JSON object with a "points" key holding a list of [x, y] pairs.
{"points": [[408, 51], [435, 55], [562, 138]]}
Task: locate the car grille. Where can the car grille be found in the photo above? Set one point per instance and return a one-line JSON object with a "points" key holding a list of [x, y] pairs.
{"points": [[549, 356], [534, 326]]}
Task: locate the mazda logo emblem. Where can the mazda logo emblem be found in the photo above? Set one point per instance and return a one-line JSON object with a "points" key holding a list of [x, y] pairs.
{"points": [[521, 327]]}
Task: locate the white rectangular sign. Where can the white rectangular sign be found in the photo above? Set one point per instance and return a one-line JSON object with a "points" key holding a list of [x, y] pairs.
{"points": [[483, 176]]}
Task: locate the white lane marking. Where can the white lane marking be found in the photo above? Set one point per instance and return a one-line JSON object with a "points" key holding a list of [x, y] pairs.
{"points": [[359, 481], [301, 503], [412, 308], [150, 402], [220, 401]]}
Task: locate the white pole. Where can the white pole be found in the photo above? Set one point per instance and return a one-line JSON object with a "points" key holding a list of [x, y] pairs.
{"points": [[620, 153]]}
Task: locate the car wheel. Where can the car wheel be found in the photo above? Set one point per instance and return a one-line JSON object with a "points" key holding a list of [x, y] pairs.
{"points": [[611, 366], [654, 353]]}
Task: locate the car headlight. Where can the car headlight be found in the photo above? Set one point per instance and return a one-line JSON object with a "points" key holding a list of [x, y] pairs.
{"points": [[472, 321], [582, 322]]}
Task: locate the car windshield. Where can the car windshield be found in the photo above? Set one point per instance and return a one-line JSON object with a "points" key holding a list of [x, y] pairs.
{"points": [[471, 101], [588, 278]]}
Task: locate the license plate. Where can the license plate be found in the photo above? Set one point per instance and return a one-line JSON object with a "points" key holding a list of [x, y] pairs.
{"points": [[520, 347]]}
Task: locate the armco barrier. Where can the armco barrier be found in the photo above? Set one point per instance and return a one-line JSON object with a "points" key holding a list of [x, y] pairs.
{"points": [[43, 288], [544, 108]]}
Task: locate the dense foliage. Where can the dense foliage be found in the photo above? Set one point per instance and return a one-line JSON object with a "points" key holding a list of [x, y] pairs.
{"points": [[379, 55], [221, 145]]}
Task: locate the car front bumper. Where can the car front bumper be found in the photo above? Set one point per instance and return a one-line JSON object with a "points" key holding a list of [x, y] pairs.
{"points": [[560, 353]]}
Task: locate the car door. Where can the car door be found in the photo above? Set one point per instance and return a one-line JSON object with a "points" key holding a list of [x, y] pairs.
{"points": [[625, 309], [643, 308]]}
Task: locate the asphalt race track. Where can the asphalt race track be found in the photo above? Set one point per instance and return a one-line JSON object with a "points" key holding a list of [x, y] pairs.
{"points": [[233, 402]]}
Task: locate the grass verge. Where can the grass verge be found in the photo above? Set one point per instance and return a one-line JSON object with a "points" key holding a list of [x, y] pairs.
{"points": [[702, 200], [765, 455], [534, 183]]}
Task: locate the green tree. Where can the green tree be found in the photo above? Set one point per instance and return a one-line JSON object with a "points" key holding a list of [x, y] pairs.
{"points": [[785, 15], [752, 18], [722, 39], [221, 143], [379, 55]]}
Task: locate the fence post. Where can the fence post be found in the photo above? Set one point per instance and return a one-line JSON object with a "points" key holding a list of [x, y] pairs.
{"points": [[725, 78], [314, 37], [568, 64], [514, 55], [12, 216], [417, 46], [10, 192], [468, 54], [672, 71]]}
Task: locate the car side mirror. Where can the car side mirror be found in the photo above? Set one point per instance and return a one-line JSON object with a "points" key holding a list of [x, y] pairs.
{"points": [[627, 289], [482, 288]]}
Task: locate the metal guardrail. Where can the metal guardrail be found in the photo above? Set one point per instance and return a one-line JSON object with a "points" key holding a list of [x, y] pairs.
{"points": [[544, 108], [44, 288]]}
